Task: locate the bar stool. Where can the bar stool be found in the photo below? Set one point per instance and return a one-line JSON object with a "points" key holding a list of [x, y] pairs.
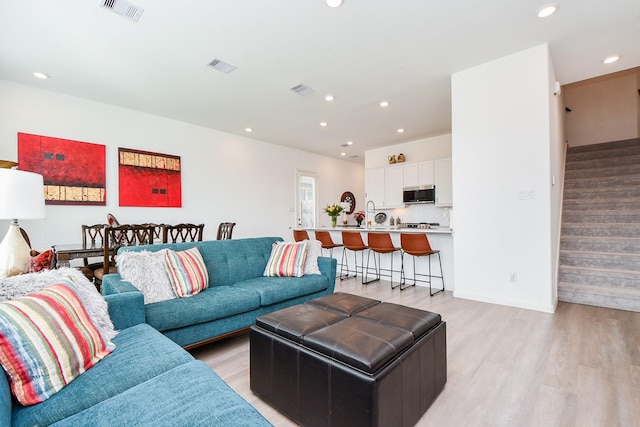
{"points": [[417, 245], [327, 241], [300, 235], [352, 240], [380, 243]]}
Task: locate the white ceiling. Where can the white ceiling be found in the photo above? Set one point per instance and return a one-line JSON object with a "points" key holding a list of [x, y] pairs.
{"points": [[366, 51]]}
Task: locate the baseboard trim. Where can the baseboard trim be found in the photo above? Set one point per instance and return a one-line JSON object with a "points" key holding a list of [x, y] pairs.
{"points": [[551, 308]]}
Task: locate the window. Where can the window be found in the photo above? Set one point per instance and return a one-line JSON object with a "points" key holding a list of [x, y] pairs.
{"points": [[306, 199]]}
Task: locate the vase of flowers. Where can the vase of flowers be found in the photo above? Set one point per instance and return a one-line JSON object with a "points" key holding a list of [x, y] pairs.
{"points": [[359, 217], [334, 212]]}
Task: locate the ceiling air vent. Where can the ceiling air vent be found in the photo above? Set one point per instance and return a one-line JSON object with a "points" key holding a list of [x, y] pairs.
{"points": [[302, 89], [222, 66], [123, 8]]}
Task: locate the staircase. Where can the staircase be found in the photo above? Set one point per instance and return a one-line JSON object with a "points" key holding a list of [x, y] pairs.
{"points": [[600, 238]]}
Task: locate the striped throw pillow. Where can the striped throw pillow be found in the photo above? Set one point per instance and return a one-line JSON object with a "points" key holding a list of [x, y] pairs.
{"points": [[287, 259], [187, 272], [47, 339]]}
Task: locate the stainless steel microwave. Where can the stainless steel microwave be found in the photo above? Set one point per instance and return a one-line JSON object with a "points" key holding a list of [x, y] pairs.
{"points": [[422, 194]]}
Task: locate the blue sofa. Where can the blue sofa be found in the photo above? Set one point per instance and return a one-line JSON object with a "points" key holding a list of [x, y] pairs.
{"points": [[148, 380], [237, 293]]}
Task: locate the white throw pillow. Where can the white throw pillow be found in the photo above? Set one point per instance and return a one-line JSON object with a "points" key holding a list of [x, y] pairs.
{"points": [[314, 249], [25, 284], [146, 271]]}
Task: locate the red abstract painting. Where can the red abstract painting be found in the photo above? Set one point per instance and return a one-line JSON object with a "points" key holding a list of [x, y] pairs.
{"points": [[74, 172], [149, 179]]}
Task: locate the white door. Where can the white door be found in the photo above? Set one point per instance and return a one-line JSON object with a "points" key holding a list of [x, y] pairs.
{"points": [[306, 192]]}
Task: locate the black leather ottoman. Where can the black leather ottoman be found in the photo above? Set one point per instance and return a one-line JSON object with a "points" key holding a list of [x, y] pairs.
{"points": [[346, 360]]}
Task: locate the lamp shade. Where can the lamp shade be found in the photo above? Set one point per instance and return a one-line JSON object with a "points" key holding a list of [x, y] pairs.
{"points": [[21, 195]]}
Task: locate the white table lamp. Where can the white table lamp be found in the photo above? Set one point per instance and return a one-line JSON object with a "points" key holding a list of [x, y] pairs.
{"points": [[21, 197]]}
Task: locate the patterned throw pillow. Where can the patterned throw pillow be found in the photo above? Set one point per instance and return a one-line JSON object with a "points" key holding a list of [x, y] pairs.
{"points": [[287, 259], [41, 261], [187, 272], [46, 340]]}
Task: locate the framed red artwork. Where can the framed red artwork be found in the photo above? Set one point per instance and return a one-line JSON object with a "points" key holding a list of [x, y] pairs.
{"points": [[74, 172], [149, 179]]}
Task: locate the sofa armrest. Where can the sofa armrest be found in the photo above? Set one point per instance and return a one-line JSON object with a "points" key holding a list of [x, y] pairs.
{"points": [[126, 310], [328, 267], [126, 302]]}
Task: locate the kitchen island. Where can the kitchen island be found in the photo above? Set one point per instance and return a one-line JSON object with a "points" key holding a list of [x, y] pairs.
{"points": [[440, 238]]}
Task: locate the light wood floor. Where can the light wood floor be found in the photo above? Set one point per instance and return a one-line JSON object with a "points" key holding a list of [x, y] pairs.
{"points": [[506, 366]]}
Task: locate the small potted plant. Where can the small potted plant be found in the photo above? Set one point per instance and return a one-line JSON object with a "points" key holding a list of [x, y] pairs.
{"points": [[334, 212], [359, 217]]}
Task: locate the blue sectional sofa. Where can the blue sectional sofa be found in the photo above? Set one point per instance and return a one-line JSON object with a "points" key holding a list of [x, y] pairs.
{"points": [[237, 293], [148, 380]]}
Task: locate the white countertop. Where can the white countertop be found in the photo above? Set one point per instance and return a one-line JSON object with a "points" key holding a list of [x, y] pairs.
{"points": [[434, 230]]}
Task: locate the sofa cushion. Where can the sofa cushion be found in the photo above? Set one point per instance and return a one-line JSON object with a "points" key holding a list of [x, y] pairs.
{"points": [[24, 284], [40, 261], [314, 250], [47, 339], [228, 261], [188, 395], [286, 260], [276, 289], [210, 304], [146, 271], [187, 272], [141, 353]]}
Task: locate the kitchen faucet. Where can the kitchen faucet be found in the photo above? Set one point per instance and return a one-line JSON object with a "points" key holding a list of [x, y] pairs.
{"points": [[368, 210]]}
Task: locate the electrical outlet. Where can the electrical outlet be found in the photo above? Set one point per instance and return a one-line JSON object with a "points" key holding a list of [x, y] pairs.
{"points": [[513, 277]]}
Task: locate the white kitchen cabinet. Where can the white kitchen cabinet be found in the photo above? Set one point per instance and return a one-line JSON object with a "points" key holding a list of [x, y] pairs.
{"points": [[418, 174], [443, 181], [410, 172], [374, 186], [426, 173], [393, 185], [384, 186]]}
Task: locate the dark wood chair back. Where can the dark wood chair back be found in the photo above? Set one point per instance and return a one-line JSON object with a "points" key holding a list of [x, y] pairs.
{"points": [[182, 233], [224, 230], [122, 235], [92, 237]]}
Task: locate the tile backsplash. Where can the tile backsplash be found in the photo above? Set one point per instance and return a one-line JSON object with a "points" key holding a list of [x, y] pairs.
{"points": [[422, 212]]}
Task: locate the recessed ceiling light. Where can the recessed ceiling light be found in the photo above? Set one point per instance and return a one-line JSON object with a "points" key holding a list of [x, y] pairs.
{"points": [[248, 129], [611, 59], [384, 104], [329, 98], [349, 142], [323, 124], [547, 10], [343, 154], [334, 3], [41, 75], [400, 130]]}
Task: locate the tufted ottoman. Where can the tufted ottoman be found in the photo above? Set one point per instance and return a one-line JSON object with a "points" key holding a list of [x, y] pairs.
{"points": [[347, 360]]}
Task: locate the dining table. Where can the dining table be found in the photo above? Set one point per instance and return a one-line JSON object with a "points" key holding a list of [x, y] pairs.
{"points": [[64, 253]]}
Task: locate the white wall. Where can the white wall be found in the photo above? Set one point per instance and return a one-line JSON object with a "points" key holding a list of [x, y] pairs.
{"points": [[603, 109], [504, 142], [436, 147], [224, 177]]}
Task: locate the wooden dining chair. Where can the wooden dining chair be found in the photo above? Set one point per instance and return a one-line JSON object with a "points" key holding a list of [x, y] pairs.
{"points": [[182, 233], [92, 237], [224, 230], [118, 236]]}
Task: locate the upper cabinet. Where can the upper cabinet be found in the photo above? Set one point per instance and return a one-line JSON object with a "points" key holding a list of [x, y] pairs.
{"points": [[393, 185], [443, 180], [384, 185], [374, 186], [417, 174]]}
